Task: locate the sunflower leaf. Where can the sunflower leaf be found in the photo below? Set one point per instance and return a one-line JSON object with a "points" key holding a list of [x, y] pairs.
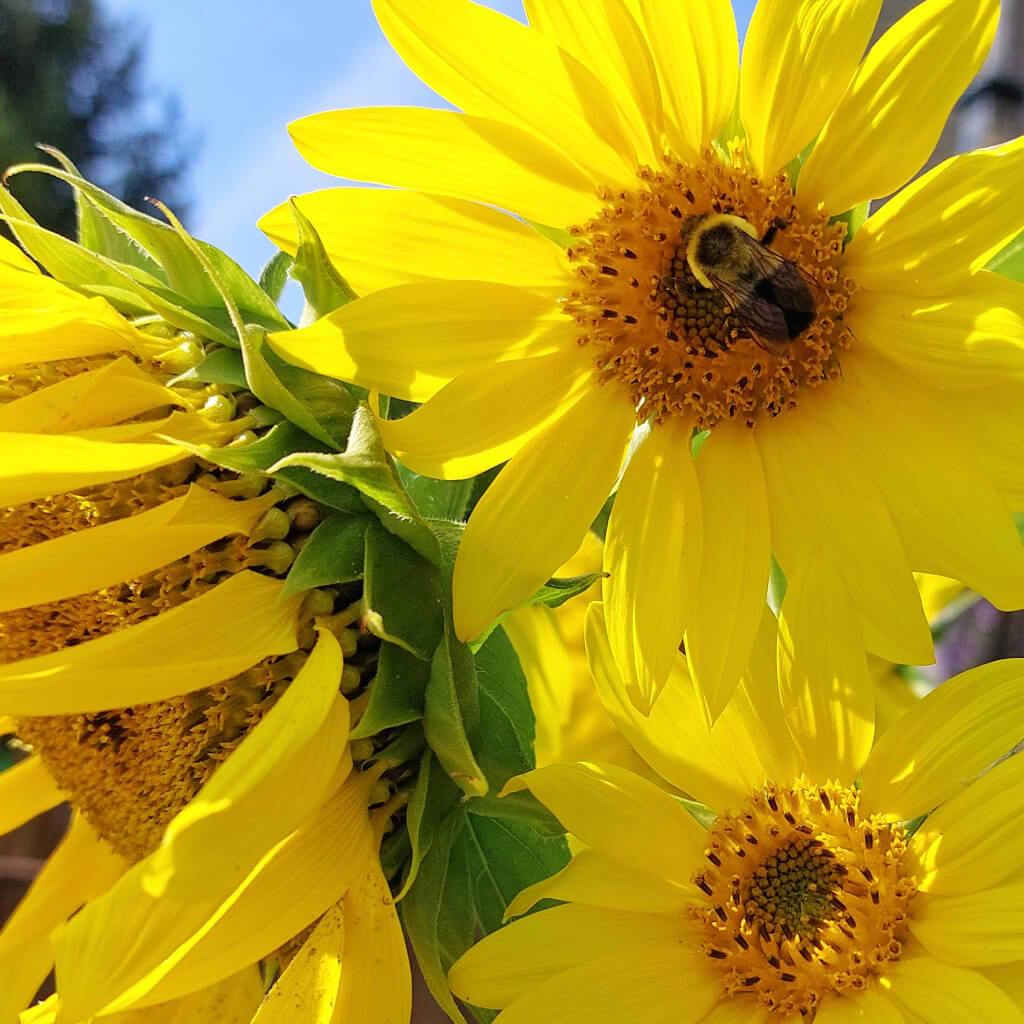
{"points": [[325, 289], [398, 693], [184, 273], [333, 554], [1009, 262], [452, 714], [274, 275], [321, 406], [401, 596]]}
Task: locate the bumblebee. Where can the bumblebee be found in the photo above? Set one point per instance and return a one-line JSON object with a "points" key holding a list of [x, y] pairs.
{"points": [[769, 295]]}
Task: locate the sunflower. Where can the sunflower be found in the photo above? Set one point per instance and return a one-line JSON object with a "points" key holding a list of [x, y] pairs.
{"points": [[865, 407], [190, 706], [804, 885]]}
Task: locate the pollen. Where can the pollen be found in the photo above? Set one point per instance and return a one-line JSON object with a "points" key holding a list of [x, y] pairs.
{"points": [[678, 347], [804, 897]]}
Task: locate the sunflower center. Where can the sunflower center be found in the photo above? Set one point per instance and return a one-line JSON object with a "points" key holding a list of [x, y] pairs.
{"points": [[696, 321], [804, 897]]}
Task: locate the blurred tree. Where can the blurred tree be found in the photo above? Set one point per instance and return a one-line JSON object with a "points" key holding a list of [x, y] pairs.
{"points": [[71, 77]]}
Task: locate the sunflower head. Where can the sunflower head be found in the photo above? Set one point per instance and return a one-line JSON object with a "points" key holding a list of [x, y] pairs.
{"points": [[707, 348]]}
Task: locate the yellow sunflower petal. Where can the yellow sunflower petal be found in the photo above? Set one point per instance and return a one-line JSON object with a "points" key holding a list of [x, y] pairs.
{"points": [[231, 1001], [210, 638], [934, 992], [736, 1011], [890, 118], [486, 415], [111, 394], [526, 953], [130, 949], [944, 741], [354, 967], [87, 560], [379, 237], [953, 520], [15, 259], [696, 52], [812, 471], [720, 767], [619, 814], [26, 790], [308, 988], [489, 65], [410, 340], [868, 1006], [288, 761], [1009, 977], [972, 929], [969, 338], [604, 36], [50, 322], [735, 563], [549, 667], [972, 841], [974, 196], [531, 519], [7, 724], [81, 867], [660, 985], [593, 878], [451, 154], [990, 418], [824, 682], [376, 983], [649, 593], [798, 59], [37, 465]]}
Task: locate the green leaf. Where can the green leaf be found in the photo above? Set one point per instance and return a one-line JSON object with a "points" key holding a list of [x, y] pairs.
{"points": [[522, 807], [437, 499], [274, 275], [853, 219], [321, 406], [325, 289], [280, 441], [333, 554], [222, 366], [509, 856], [452, 714], [438, 911], [184, 273], [366, 466], [506, 716], [1010, 261], [701, 813], [397, 693], [599, 527], [555, 592], [401, 596], [433, 798], [131, 291], [98, 234], [471, 870]]}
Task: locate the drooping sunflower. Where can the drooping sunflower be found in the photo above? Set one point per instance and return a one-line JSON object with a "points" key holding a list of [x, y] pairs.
{"points": [[169, 685], [867, 410], [807, 887]]}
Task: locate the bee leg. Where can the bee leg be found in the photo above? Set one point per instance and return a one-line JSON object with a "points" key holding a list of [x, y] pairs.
{"points": [[776, 225]]}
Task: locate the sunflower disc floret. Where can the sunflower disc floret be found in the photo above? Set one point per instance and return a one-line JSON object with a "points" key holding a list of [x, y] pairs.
{"points": [[805, 897]]}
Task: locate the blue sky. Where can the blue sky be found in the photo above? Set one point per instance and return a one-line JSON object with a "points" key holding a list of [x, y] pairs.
{"points": [[243, 71]]}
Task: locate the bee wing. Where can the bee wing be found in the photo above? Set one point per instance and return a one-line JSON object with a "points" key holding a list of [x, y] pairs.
{"points": [[775, 299]]}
